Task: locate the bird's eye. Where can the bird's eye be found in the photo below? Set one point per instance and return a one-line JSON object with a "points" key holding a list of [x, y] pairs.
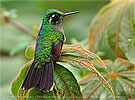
{"points": [[54, 19]]}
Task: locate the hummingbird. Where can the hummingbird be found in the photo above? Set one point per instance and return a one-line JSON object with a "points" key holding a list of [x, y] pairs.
{"points": [[48, 49]]}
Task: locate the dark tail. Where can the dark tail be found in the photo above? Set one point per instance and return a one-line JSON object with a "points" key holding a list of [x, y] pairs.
{"points": [[41, 78]]}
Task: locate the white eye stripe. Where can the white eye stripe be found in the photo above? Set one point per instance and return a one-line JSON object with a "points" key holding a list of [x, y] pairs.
{"points": [[53, 15]]}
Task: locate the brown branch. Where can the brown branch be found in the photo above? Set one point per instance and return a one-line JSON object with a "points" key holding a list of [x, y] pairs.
{"points": [[6, 19], [19, 26]]}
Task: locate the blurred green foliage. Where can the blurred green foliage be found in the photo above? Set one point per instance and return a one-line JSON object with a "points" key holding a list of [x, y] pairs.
{"points": [[29, 14], [114, 23]]}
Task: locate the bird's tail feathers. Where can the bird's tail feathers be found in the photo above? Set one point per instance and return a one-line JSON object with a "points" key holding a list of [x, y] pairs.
{"points": [[41, 78]]}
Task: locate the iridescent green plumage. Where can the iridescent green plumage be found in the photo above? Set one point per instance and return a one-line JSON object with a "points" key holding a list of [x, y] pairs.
{"points": [[48, 48], [44, 44], [48, 35]]}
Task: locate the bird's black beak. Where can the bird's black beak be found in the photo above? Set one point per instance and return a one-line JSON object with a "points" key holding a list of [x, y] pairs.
{"points": [[70, 13]]}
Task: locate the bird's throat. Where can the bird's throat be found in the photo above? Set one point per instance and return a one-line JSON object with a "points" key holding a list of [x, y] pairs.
{"points": [[59, 28]]}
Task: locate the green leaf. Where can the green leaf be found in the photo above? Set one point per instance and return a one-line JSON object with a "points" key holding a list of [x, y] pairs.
{"points": [[16, 84], [81, 58], [36, 94], [117, 26], [66, 84], [119, 74], [30, 51], [30, 94]]}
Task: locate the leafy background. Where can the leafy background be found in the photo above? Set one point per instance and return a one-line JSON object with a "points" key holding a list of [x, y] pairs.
{"points": [[30, 14], [76, 27]]}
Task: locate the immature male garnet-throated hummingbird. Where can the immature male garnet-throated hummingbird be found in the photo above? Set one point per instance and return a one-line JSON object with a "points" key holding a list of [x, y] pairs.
{"points": [[48, 49]]}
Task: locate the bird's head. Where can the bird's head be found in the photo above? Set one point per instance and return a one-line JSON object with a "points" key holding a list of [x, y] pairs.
{"points": [[55, 17]]}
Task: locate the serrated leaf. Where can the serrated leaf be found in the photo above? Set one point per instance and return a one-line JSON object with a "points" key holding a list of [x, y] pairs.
{"points": [[81, 58], [115, 23], [119, 74]]}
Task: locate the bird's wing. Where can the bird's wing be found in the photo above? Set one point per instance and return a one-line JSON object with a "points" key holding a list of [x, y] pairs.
{"points": [[56, 49]]}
